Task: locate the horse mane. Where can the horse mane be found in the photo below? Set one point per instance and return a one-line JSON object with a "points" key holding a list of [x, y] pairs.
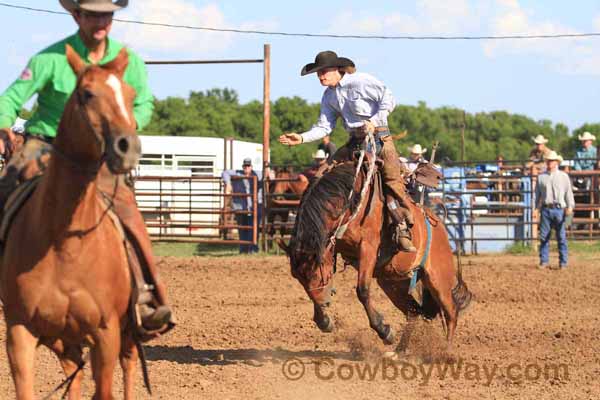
{"points": [[325, 199]]}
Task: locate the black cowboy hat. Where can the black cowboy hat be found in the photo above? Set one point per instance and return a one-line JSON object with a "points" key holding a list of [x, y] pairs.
{"points": [[326, 59], [94, 5]]}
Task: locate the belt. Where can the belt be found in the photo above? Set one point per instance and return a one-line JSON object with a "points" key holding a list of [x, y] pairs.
{"points": [[554, 205], [381, 131], [45, 138]]}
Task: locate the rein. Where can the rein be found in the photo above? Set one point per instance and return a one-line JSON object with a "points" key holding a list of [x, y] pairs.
{"points": [[369, 142], [109, 201], [68, 381]]}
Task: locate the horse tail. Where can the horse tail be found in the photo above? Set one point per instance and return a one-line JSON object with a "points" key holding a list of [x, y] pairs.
{"points": [[460, 293]]}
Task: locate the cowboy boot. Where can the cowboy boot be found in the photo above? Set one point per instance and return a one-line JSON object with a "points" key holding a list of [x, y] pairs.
{"points": [[154, 311], [401, 235], [155, 314]]}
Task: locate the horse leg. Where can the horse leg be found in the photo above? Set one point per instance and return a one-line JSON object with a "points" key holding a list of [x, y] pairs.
{"points": [[20, 347], [104, 359], [368, 259], [128, 358], [70, 358], [397, 292], [442, 293]]}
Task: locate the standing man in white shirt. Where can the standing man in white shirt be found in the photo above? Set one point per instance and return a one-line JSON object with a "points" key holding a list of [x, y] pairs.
{"points": [[363, 103], [554, 202]]}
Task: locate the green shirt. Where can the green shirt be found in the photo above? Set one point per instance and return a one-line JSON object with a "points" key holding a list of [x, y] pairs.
{"points": [[50, 76]]}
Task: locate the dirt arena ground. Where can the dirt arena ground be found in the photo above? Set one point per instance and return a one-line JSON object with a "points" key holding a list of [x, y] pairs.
{"points": [[245, 324]]}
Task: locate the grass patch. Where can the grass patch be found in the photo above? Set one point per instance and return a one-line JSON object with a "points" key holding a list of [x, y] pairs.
{"points": [[584, 248], [184, 249], [519, 248]]}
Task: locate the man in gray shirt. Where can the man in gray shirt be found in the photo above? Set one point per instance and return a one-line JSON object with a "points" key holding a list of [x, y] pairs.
{"points": [[554, 202]]}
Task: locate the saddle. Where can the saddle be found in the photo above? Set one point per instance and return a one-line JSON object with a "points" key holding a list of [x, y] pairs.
{"points": [[427, 175], [14, 203]]}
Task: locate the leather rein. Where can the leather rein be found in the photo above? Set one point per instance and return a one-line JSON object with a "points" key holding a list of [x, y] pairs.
{"points": [[338, 233]]}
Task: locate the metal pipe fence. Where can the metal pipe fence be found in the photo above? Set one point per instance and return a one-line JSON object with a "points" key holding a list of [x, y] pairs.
{"points": [[195, 209], [483, 210]]}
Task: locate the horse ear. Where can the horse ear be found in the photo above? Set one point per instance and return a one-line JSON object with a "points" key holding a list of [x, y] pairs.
{"points": [[76, 63], [119, 64], [302, 178], [283, 246]]}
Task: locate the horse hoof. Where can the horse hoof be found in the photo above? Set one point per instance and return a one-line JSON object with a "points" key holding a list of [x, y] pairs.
{"points": [[325, 325], [388, 336], [391, 355]]}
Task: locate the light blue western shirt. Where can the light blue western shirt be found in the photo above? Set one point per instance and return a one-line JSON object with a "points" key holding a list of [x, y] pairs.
{"points": [[356, 98]]}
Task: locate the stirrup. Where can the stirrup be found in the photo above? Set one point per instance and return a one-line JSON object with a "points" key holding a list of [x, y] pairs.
{"points": [[154, 319], [149, 321]]}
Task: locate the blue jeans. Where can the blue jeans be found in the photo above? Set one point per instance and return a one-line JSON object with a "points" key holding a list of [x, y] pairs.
{"points": [[246, 234], [553, 218]]}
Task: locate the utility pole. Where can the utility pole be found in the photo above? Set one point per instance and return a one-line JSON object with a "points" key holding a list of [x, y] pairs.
{"points": [[463, 125]]}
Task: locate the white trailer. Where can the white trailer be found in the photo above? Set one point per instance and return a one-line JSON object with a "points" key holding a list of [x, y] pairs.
{"points": [[193, 200]]}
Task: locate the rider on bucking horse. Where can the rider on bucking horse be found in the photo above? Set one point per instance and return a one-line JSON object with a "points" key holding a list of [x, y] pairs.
{"points": [[363, 103], [49, 75]]}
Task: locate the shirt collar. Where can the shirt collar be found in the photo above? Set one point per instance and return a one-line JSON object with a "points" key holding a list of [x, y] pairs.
{"points": [[110, 52], [344, 80]]}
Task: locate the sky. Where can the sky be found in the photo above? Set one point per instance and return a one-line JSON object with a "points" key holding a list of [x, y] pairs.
{"points": [[552, 79]]}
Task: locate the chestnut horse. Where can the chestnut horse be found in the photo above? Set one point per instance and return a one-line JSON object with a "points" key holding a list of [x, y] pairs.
{"points": [[290, 187], [326, 206], [65, 280]]}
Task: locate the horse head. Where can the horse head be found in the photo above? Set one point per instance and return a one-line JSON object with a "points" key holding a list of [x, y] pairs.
{"points": [[310, 250], [288, 182], [101, 126], [316, 277]]}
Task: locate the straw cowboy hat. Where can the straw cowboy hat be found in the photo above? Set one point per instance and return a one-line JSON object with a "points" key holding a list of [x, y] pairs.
{"points": [[586, 136], [416, 149], [94, 5], [319, 155], [326, 59], [553, 156], [540, 139]]}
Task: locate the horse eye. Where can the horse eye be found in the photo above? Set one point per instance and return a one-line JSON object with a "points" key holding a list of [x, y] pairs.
{"points": [[87, 95]]}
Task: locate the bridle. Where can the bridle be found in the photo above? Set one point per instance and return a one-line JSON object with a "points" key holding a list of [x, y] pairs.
{"points": [[338, 233], [101, 139]]}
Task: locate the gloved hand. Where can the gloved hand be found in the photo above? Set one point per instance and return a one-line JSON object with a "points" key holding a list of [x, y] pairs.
{"points": [[368, 127], [7, 141]]}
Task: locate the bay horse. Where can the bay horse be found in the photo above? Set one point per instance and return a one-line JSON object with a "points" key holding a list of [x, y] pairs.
{"points": [[326, 206], [65, 279], [289, 187]]}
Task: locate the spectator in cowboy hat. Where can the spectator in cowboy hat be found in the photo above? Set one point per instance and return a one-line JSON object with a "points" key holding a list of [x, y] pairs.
{"points": [[319, 161], [540, 150], [415, 157], [586, 155], [554, 202], [538, 153]]}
